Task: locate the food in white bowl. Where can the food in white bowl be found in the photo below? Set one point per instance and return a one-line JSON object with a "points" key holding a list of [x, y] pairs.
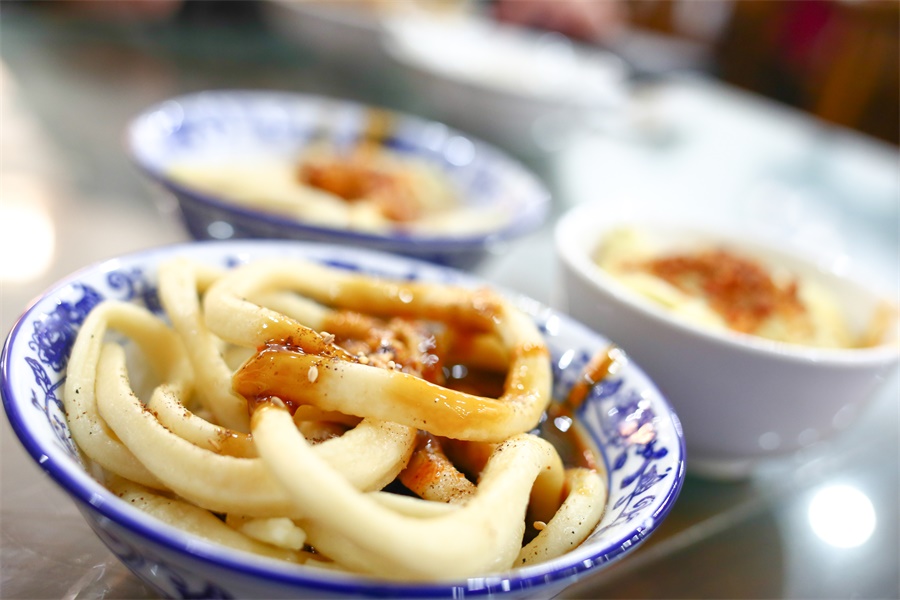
{"points": [[715, 285], [292, 166], [749, 382], [326, 501]]}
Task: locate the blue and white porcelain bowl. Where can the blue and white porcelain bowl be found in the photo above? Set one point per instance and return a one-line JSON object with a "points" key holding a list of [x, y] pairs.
{"points": [[644, 475], [219, 127]]}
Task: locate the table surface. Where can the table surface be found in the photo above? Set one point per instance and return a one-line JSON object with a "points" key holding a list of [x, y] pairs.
{"points": [[683, 145]]}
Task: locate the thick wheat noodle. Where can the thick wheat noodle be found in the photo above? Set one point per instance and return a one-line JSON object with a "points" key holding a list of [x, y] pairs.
{"points": [[573, 522], [163, 352], [197, 521], [308, 412], [412, 506], [484, 535], [430, 475], [362, 390], [277, 531], [303, 310], [169, 410], [180, 283], [245, 323], [471, 458], [216, 468], [481, 349], [485, 351], [347, 386], [228, 484]]}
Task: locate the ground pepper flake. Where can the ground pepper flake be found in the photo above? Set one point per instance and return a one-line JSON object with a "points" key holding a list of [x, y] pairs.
{"points": [[738, 289]]}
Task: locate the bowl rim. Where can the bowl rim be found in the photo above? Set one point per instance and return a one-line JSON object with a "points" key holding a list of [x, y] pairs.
{"points": [[86, 491], [573, 256], [528, 215], [399, 51]]}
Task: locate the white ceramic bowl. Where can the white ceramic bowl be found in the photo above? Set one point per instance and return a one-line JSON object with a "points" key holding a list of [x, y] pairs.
{"points": [[644, 476], [221, 127], [519, 88], [741, 398]]}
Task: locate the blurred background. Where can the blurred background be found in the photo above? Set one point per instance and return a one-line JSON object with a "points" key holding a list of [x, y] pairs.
{"points": [[780, 116], [835, 59], [783, 114]]}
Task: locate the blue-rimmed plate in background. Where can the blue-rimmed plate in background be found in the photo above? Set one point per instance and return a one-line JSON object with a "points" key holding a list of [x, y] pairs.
{"points": [[265, 164]]}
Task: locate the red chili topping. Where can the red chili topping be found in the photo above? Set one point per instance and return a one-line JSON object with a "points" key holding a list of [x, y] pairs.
{"points": [[740, 290]]}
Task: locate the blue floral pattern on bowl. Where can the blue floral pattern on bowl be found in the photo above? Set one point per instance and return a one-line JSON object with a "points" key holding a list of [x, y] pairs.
{"points": [[632, 426]]}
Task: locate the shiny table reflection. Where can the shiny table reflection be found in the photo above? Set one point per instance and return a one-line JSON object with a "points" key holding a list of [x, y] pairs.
{"points": [[822, 523]]}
